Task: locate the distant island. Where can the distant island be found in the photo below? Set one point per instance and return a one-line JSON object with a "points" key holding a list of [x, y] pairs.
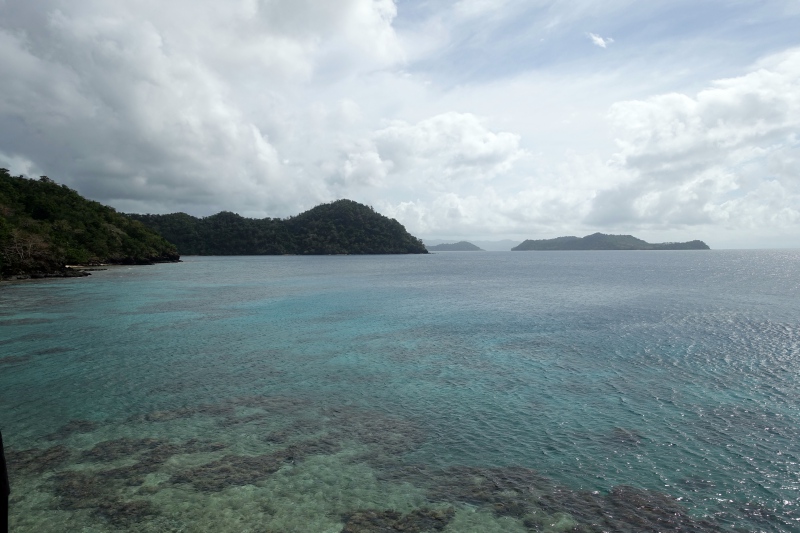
{"points": [[340, 227], [45, 226], [461, 246], [601, 241], [487, 246]]}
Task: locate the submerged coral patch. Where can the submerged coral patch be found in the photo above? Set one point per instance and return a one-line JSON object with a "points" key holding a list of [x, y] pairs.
{"points": [[624, 509], [272, 404], [541, 505], [124, 513], [240, 421], [53, 350], [36, 460], [386, 435], [111, 450], [293, 430], [508, 491], [417, 521], [151, 454], [71, 428], [646, 510], [229, 471], [167, 415], [234, 470], [105, 491], [625, 437], [122, 483], [14, 360], [86, 490], [78, 489]]}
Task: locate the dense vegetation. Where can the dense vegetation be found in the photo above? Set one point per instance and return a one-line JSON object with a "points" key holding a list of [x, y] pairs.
{"points": [[461, 246], [340, 227], [45, 226], [601, 241]]}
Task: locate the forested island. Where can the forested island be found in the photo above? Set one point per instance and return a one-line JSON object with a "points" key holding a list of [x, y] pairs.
{"points": [[601, 241], [461, 246], [340, 227], [45, 226]]}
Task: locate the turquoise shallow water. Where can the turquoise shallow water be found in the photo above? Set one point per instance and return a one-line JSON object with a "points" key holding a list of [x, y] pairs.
{"points": [[574, 391]]}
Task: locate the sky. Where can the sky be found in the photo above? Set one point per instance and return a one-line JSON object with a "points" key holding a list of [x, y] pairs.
{"points": [[670, 120]]}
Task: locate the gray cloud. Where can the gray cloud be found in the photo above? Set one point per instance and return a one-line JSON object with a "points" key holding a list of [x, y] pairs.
{"points": [[139, 108]]}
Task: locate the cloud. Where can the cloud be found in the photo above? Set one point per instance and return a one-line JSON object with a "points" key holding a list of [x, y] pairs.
{"points": [[150, 110], [599, 41], [469, 118], [426, 160], [445, 148], [724, 156], [542, 201]]}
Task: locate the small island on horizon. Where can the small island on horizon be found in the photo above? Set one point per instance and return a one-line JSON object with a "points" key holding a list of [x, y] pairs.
{"points": [[601, 241], [461, 246]]}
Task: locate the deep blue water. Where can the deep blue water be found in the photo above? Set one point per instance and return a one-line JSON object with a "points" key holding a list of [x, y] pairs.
{"points": [[504, 391]]}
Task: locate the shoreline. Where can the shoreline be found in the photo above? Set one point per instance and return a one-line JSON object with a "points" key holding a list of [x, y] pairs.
{"points": [[74, 271]]}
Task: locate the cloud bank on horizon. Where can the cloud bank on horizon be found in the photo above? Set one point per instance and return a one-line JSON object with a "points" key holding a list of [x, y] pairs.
{"points": [[516, 119]]}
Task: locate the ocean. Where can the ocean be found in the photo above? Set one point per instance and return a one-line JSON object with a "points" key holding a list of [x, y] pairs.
{"points": [[456, 392]]}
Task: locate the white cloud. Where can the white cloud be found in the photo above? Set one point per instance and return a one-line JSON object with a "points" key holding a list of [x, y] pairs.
{"points": [[445, 148], [599, 41], [727, 155]]}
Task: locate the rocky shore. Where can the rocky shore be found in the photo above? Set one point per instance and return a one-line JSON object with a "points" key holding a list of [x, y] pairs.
{"points": [[80, 271]]}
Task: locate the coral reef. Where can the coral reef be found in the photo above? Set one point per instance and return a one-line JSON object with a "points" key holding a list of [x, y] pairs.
{"points": [[537, 501], [118, 481], [14, 360], [85, 490], [232, 470], [72, 427], [36, 460], [417, 521]]}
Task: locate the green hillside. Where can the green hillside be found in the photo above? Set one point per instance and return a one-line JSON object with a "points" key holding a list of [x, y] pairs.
{"points": [[340, 227], [45, 226], [601, 241]]}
